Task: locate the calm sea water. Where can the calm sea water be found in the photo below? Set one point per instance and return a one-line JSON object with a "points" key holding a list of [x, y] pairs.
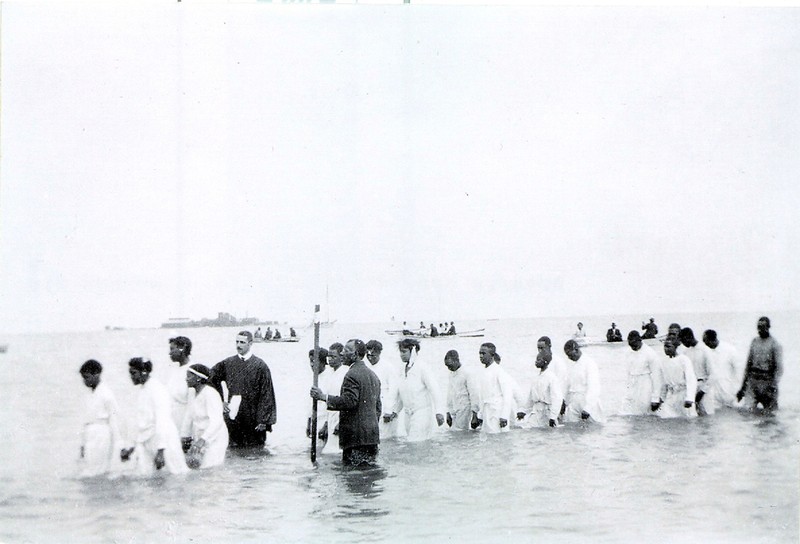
{"points": [[729, 478]]}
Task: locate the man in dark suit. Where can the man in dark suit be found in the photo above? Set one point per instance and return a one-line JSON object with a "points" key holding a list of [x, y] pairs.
{"points": [[249, 408], [613, 334], [359, 404]]}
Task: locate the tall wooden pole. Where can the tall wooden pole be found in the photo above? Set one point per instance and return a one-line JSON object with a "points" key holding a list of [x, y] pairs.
{"points": [[315, 368]]}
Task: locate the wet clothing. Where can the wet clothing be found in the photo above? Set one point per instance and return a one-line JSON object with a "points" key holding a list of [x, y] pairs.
{"points": [[419, 397], [101, 437], [642, 386], [389, 378], [155, 430], [496, 398], [249, 378], [359, 405], [678, 385], [701, 362], [543, 399], [333, 386], [726, 372], [179, 393], [463, 398], [763, 372], [204, 420]]}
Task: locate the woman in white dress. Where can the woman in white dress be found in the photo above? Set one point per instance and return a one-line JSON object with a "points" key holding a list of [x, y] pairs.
{"points": [[101, 440], [203, 426]]}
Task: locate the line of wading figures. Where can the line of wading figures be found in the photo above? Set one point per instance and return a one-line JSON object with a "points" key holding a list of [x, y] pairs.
{"points": [[201, 412]]}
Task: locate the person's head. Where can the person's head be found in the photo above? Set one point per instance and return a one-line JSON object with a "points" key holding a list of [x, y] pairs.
{"points": [[671, 346], [652, 320], [635, 340], [763, 327], [687, 338], [710, 339], [322, 359], [573, 350], [406, 347], [488, 354], [374, 349], [674, 329], [580, 325], [354, 350], [613, 325], [335, 357], [180, 348], [543, 343], [243, 342], [90, 372], [197, 375], [140, 368], [452, 360], [543, 359]]}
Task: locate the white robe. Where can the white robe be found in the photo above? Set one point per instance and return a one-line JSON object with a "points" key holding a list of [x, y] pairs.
{"points": [[334, 387], [543, 399], [156, 430], [643, 386], [583, 392], [463, 397], [420, 399], [180, 394], [497, 399], [101, 439], [388, 376], [727, 373], [701, 360], [678, 384], [203, 419]]}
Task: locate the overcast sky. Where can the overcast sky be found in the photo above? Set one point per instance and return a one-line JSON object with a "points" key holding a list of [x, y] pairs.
{"points": [[423, 162]]}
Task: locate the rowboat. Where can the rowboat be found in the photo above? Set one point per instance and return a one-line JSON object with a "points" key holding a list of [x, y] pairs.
{"points": [[477, 333], [281, 339]]}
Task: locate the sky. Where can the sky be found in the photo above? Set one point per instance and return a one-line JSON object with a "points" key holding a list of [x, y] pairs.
{"points": [[415, 162]]}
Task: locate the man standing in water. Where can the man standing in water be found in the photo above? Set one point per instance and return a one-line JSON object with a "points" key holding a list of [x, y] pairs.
{"points": [[180, 348], [725, 368], [764, 369], [249, 408], [701, 361], [386, 375], [463, 398], [583, 391], [359, 405]]}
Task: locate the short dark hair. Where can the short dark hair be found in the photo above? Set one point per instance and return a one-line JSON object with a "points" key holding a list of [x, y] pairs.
{"points": [[248, 334], [493, 349], [337, 347], [634, 334], [361, 348], [322, 357], [546, 340], [452, 354], [141, 364], [91, 367], [687, 334], [408, 343], [570, 345], [202, 369], [711, 335], [183, 343], [374, 345]]}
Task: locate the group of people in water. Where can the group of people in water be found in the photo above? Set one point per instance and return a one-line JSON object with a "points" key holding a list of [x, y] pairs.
{"points": [[189, 424]]}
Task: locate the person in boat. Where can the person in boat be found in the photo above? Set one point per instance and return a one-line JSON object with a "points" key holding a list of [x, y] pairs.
{"points": [[725, 368], [423, 330], [496, 393], [388, 377], [250, 410], [463, 395], [157, 444], [763, 370], [277, 335], [434, 331], [541, 405], [678, 383], [613, 334], [359, 404], [323, 379], [583, 390], [650, 329], [580, 333], [292, 333], [417, 394], [642, 388], [203, 429], [699, 356], [452, 329], [101, 439], [257, 334], [268, 334], [180, 348]]}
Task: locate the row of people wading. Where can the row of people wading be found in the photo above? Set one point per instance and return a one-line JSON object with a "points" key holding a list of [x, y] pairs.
{"points": [[201, 411]]}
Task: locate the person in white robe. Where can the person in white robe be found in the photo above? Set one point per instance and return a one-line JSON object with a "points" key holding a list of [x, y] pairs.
{"points": [[700, 357], [323, 379], [642, 388], [559, 366], [541, 405], [388, 375], [180, 348], [101, 438], [333, 386], [157, 444], [203, 426], [496, 393], [417, 395], [583, 390], [726, 369], [463, 395], [678, 384]]}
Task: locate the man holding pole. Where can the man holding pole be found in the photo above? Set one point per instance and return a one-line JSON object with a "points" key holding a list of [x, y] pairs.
{"points": [[359, 404]]}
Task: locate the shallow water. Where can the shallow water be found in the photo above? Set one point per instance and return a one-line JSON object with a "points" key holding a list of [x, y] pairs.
{"points": [[729, 478]]}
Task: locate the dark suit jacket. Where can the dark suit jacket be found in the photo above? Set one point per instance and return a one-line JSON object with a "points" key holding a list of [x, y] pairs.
{"points": [[359, 404]]}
